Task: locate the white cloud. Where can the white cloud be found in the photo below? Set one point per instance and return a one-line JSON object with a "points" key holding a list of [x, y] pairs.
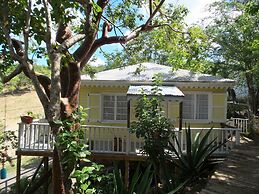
{"points": [[97, 62], [198, 8]]}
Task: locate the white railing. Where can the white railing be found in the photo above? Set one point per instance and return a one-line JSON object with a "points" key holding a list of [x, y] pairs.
{"points": [[227, 137], [239, 123], [114, 139], [35, 136]]}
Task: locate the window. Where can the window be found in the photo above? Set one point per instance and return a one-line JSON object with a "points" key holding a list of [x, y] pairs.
{"points": [[114, 108], [195, 106]]}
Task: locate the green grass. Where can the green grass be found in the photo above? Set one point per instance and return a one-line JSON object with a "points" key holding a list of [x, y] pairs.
{"points": [[27, 162]]}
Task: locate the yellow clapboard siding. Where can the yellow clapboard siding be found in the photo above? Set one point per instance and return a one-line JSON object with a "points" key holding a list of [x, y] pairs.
{"points": [[218, 105]]}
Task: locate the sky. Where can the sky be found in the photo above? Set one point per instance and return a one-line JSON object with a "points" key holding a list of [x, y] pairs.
{"points": [[197, 11]]}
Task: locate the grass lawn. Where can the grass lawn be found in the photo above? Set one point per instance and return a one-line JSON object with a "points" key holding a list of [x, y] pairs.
{"points": [[27, 163]]}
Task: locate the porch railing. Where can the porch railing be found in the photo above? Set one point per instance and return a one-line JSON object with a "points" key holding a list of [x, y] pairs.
{"points": [[227, 137], [114, 139], [35, 136], [239, 123]]}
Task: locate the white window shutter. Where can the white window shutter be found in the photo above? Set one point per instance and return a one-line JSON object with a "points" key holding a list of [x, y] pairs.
{"points": [[94, 105], [188, 106], [202, 101]]}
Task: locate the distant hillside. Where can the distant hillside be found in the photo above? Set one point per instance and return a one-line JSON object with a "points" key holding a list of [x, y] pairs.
{"points": [[14, 105], [21, 82]]}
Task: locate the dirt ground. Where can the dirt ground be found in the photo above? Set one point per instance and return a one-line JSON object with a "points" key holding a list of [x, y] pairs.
{"points": [[12, 106], [239, 173]]}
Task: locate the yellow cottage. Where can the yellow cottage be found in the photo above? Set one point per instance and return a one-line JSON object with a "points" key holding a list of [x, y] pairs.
{"points": [[197, 99], [194, 98]]}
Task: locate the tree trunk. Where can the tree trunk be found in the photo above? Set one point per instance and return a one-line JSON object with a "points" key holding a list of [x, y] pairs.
{"points": [[251, 93], [70, 86]]}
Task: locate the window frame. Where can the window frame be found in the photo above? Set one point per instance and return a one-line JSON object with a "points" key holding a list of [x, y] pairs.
{"points": [[115, 108], [195, 120]]}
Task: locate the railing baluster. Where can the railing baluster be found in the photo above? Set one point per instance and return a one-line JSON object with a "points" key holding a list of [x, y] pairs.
{"points": [[90, 138], [38, 137], [34, 138], [112, 139], [25, 135]]}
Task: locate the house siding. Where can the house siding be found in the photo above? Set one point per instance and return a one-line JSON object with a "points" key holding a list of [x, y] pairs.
{"points": [[90, 97]]}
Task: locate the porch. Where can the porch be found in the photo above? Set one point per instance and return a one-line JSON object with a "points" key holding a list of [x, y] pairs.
{"points": [[37, 137]]}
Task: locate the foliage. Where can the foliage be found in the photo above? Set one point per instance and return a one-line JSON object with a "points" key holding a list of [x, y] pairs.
{"points": [[234, 35], [155, 128], [88, 178], [140, 183], [181, 48], [8, 139], [92, 179], [152, 125], [74, 151], [196, 159]]}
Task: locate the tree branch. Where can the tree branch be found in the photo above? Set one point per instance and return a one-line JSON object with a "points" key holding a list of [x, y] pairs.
{"points": [[49, 38], [6, 29], [27, 30], [7, 78], [115, 39], [42, 96], [55, 93], [152, 15], [70, 42], [83, 50], [121, 39]]}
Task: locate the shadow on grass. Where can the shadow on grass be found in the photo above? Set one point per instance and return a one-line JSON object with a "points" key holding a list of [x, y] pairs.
{"points": [[31, 163]]}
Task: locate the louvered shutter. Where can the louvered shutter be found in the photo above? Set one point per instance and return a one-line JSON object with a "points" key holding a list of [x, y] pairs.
{"points": [[94, 105], [202, 108]]}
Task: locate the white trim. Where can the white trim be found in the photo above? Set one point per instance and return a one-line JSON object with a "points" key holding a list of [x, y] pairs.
{"points": [[115, 108], [182, 84], [195, 120]]}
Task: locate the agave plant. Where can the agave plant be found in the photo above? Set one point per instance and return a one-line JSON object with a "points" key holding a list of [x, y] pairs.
{"points": [[140, 183], [196, 159]]}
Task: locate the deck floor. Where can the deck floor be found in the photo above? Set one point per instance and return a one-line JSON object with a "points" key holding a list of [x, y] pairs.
{"points": [[239, 173]]}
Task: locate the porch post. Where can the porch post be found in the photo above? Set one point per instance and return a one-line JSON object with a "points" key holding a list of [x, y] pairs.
{"points": [[128, 126], [128, 114], [180, 116], [46, 169], [18, 173]]}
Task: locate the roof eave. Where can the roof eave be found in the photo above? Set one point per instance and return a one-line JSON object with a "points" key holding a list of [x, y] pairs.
{"points": [[224, 84]]}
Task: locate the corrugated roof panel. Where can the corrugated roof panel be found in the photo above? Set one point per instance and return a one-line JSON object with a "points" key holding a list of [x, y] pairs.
{"points": [[164, 90], [146, 71]]}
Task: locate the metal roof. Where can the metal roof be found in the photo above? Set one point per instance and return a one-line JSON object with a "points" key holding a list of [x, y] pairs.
{"points": [[170, 92], [144, 72]]}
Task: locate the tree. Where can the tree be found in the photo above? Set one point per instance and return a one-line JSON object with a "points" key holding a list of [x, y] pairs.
{"points": [[44, 28], [155, 129], [234, 35], [181, 48]]}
